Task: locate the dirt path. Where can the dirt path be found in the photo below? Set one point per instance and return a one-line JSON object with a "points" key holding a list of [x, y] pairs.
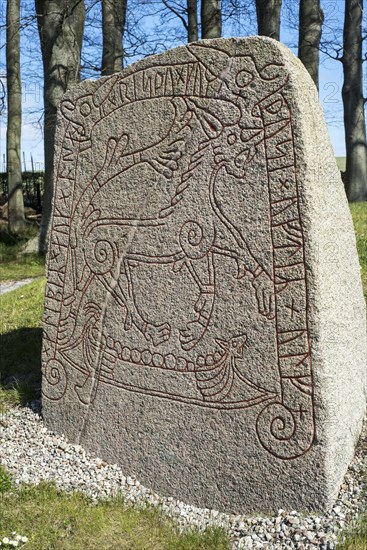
{"points": [[12, 285]]}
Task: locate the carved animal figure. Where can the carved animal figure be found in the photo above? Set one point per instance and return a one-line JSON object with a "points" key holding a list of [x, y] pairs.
{"points": [[186, 232], [186, 226], [215, 373], [204, 127]]}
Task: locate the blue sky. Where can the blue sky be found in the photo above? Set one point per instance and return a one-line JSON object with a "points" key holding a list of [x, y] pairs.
{"points": [[331, 77]]}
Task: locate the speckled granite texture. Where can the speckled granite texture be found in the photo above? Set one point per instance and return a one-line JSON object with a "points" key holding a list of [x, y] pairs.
{"points": [[204, 317]]}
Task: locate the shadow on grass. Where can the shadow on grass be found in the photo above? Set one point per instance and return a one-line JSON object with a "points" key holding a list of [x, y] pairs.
{"points": [[20, 365], [10, 243]]}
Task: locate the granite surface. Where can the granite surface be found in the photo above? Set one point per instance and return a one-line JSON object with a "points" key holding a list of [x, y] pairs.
{"points": [[204, 319]]}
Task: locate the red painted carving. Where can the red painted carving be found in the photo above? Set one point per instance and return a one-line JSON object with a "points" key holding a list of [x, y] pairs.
{"points": [[208, 135]]}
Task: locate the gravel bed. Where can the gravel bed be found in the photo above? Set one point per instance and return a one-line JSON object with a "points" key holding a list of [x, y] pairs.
{"points": [[32, 453]]}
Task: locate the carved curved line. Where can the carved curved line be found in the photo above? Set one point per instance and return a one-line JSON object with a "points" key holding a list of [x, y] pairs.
{"points": [[227, 388], [213, 371], [213, 382], [55, 380], [270, 424], [228, 405]]}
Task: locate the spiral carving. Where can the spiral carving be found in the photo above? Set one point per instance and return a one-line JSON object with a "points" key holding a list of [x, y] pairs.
{"points": [[195, 241], [281, 433], [101, 256], [55, 380]]}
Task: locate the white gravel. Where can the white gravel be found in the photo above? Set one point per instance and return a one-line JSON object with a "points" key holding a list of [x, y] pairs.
{"points": [[31, 453]]}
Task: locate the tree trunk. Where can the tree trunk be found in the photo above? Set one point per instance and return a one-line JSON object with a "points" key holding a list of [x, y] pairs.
{"points": [[211, 19], [16, 221], [268, 17], [192, 21], [353, 102], [60, 26], [113, 23], [311, 18]]}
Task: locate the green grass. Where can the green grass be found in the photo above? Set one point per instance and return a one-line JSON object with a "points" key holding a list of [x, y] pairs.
{"points": [[356, 536], [5, 481], [359, 215], [52, 519], [341, 163], [20, 344], [14, 266]]}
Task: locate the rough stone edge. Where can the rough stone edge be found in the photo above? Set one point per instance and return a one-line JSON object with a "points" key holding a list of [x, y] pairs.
{"points": [[344, 413]]}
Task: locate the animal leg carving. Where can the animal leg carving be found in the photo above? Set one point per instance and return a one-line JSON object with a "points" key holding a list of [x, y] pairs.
{"points": [[157, 334], [203, 308], [264, 290], [164, 160], [196, 328], [93, 345], [124, 292]]}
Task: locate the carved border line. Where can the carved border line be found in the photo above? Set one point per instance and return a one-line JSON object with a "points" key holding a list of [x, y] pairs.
{"points": [[287, 429]]}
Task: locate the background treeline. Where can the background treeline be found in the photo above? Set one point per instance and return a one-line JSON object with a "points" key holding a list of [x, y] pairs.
{"points": [[88, 38]]}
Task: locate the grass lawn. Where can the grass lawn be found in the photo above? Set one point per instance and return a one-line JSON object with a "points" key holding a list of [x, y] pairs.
{"points": [[52, 519], [341, 162], [55, 520], [359, 215], [20, 344], [13, 266], [355, 538]]}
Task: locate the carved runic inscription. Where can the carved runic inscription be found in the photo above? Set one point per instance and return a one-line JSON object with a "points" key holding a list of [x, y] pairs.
{"points": [[177, 254]]}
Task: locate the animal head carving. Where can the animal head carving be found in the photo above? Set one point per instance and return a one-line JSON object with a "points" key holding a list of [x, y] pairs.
{"points": [[86, 111], [241, 94], [235, 346], [213, 114], [233, 146]]}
